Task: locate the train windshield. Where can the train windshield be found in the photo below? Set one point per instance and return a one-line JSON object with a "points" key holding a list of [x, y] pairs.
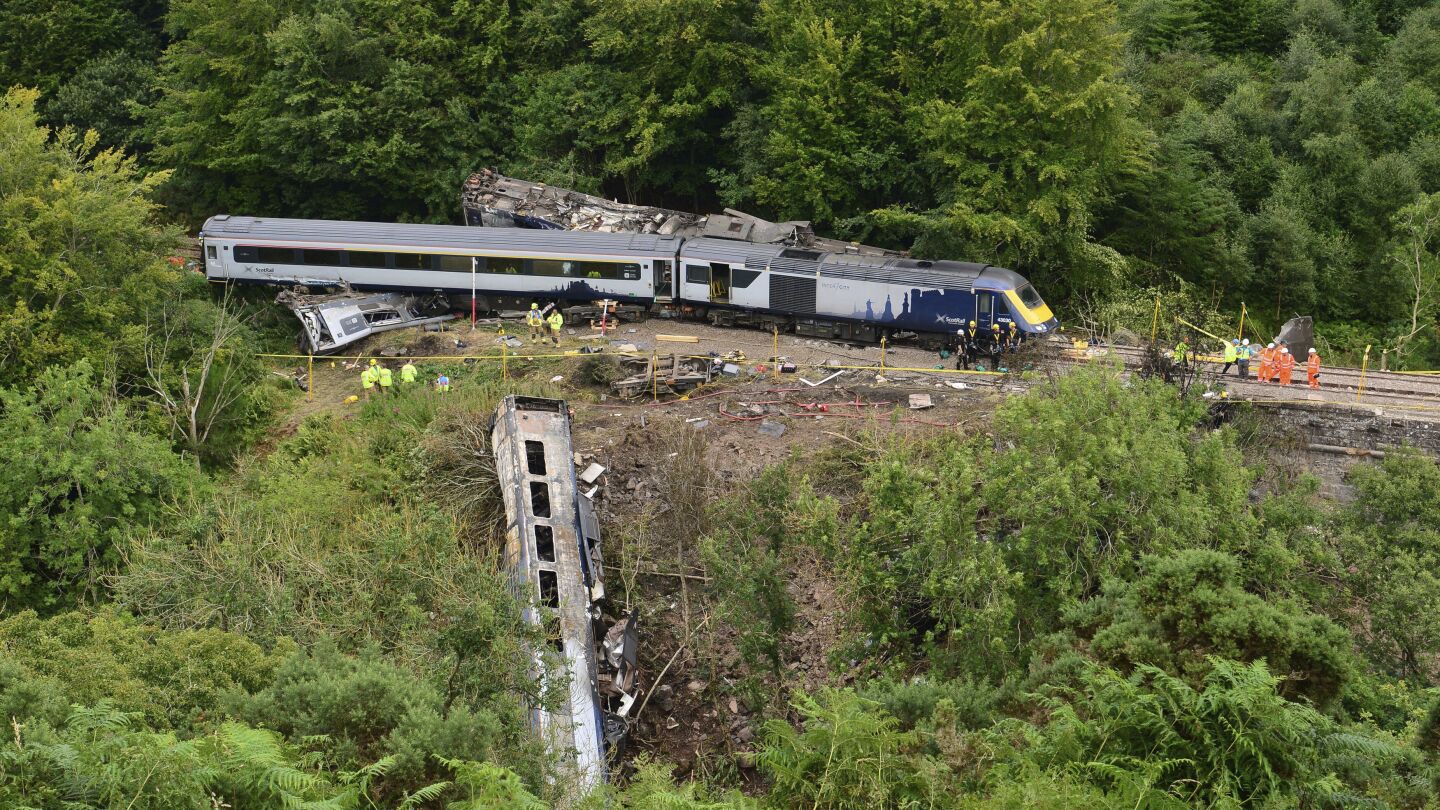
{"points": [[1029, 297]]}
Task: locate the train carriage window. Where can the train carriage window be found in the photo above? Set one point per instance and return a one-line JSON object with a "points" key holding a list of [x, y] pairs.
{"points": [[503, 264], [985, 303], [544, 543], [1029, 297], [455, 264], [210, 251], [328, 258], [365, 258], [539, 499], [246, 253], [740, 279], [697, 274], [551, 267], [277, 255], [412, 261], [550, 589], [535, 457]]}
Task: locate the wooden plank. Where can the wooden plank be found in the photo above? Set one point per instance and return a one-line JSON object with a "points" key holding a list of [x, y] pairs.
{"points": [[678, 338]]}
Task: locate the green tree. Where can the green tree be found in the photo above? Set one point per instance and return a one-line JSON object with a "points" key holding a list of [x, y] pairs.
{"points": [[43, 43], [109, 95], [177, 681], [82, 253], [82, 477], [1186, 609], [1024, 121], [1389, 547], [334, 110]]}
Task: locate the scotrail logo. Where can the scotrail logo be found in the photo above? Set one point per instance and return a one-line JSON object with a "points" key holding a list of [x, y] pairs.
{"points": [[950, 320]]}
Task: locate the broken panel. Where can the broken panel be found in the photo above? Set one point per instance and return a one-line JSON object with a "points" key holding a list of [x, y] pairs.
{"points": [[493, 200]]}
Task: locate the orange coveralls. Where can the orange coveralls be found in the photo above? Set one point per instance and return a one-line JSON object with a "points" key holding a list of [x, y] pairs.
{"points": [[1286, 366], [1312, 370], [1267, 365]]}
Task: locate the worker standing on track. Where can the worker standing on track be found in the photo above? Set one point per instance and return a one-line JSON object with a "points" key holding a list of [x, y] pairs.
{"points": [[368, 378], [1312, 369], [1267, 363], [997, 345], [971, 339], [1013, 337], [408, 373], [536, 322], [387, 380], [1286, 364], [1182, 351], [1242, 359], [1232, 354], [556, 320]]}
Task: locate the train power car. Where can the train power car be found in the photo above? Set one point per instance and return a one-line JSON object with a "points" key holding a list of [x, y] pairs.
{"points": [[824, 294]]}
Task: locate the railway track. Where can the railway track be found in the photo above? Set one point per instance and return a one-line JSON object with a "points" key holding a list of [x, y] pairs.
{"points": [[1339, 385]]}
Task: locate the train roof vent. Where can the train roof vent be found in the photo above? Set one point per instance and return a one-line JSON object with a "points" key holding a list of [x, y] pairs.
{"points": [[221, 217], [924, 263], [792, 253]]}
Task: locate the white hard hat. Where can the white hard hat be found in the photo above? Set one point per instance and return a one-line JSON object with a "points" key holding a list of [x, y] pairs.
{"points": [[1269, 345], [1312, 351], [1245, 342], [1284, 351]]}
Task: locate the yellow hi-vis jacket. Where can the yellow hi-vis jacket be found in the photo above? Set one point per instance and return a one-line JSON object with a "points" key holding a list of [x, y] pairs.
{"points": [[556, 320]]}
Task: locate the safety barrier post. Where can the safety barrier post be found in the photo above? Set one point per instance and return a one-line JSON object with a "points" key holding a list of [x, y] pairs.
{"points": [[1155, 321], [1364, 363], [882, 352], [654, 377], [504, 362], [310, 379], [775, 351]]}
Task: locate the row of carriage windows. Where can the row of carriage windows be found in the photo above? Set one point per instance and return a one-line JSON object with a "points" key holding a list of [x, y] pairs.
{"points": [[506, 265], [543, 548]]}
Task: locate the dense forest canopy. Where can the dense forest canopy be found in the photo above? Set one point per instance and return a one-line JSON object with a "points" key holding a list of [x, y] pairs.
{"points": [[1277, 152], [1107, 597]]}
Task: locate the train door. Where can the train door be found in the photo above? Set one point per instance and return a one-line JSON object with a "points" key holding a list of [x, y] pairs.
{"points": [[214, 264], [719, 283], [986, 309], [664, 280]]}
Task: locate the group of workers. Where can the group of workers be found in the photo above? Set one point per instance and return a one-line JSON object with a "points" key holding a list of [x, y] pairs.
{"points": [[1277, 363], [378, 375], [540, 323], [972, 343]]}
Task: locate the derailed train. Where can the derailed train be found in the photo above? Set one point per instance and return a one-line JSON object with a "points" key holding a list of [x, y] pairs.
{"points": [[586, 673], [824, 294]]}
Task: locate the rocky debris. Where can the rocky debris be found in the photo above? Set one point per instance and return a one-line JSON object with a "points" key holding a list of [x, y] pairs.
{"points": [[771, 429]]}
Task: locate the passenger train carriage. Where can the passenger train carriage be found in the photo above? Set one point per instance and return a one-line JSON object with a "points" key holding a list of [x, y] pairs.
{"points": [[847, 296]]}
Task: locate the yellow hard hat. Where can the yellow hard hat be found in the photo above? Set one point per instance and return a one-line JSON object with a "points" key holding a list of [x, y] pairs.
{"points": [[972, 323], [534, 306], [372, 361]]}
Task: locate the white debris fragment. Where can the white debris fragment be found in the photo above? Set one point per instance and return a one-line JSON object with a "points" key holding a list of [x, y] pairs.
{"points": [[591, 473]]}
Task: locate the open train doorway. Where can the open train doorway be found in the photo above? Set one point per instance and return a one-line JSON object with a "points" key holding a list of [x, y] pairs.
{"points": [[719, 283]]}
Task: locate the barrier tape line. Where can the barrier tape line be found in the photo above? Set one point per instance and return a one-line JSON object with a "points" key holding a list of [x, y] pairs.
{"points": [[508, 357]]}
